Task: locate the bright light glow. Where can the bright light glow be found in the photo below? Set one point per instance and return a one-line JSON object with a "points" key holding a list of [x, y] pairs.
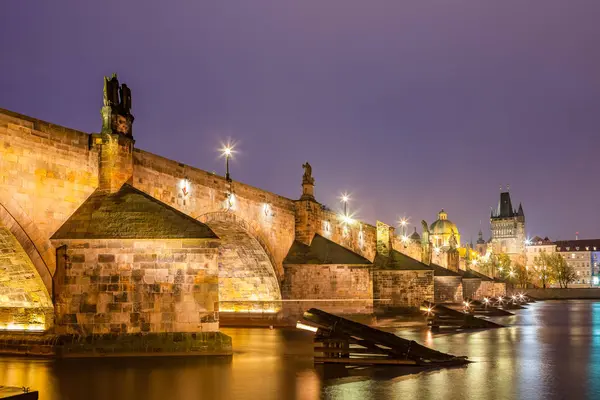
{"points": [[500, 269], [437, 250], [229, 202], [486, 300], [404, 238], [511, 273], [267, 210], [500, 299], [347, 219], [403, 221], [305, 327], [249, 310], [528, 242], [345, 197], [22, 327], [227, 149], [474, 262], [327, 228]]}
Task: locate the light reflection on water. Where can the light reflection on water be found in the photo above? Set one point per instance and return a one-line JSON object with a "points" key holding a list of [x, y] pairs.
{"points": [[549, 351]]}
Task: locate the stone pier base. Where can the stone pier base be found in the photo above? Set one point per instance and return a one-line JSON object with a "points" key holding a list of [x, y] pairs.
{"points": [[116, 345]]}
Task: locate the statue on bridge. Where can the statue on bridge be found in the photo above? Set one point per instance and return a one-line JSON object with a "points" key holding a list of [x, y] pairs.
{"points": [[308, 183], [307, 178], [116, 111], [452, 243], [426, 246]]}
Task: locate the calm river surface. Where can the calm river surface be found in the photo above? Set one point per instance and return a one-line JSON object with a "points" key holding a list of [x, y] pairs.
{"points": [[551, 350]]}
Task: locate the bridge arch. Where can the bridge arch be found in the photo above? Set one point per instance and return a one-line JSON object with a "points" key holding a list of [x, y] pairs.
{"points": [[25, 278], [247, 278], [37, 247]]}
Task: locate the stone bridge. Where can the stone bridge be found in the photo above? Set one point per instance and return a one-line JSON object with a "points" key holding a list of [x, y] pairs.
{"points": [[99, 237], [47, 172]]}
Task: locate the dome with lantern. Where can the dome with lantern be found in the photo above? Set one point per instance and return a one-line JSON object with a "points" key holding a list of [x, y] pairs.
{"points": [[442, 229]]}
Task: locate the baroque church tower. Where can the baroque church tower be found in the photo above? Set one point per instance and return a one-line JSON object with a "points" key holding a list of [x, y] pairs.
{"points": [[508, 227]]}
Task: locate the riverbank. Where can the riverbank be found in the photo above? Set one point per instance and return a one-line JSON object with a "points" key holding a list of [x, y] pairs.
{"points": [[562, 294]]}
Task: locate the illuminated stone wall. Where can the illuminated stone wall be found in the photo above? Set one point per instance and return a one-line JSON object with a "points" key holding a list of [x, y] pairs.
{"points": [[46, 172], [24, 300], [312, 218], [402, 288], [269, 217], [477, 289], [410, 248], [131, 286], [448, 289], [342, 289]]}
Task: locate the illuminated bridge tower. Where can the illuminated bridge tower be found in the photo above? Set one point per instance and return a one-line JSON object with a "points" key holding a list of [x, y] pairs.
{"points": [[508, 227]]}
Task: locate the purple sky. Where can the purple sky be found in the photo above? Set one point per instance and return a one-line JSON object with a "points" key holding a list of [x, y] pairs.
{"points": [[410, 105]]}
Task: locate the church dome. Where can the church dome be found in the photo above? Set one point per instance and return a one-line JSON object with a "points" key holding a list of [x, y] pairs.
{"points": [[415, 236], [443, 226]]}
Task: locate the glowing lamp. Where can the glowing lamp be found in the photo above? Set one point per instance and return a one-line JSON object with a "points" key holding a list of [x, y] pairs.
{"points": [[305, 327]]}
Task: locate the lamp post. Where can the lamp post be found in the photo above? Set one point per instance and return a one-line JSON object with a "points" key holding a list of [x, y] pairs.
{"points": [[403, 224], [227, 151], [345, 199]]}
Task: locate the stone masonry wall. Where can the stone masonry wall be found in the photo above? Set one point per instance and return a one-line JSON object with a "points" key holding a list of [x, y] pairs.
{"points": [[448, 289], [403, 288], [312, 218], [46, 172], [339, 289], [131, 286], [409, 247], [270, 217], [477, 289]]}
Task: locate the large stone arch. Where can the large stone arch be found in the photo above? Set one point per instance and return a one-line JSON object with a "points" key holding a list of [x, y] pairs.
{"points": [[38, 248], [25, 301], [247, 277]]}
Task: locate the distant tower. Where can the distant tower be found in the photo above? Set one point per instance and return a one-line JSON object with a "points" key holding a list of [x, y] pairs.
{"points": [[481, 246], [508, 227]]}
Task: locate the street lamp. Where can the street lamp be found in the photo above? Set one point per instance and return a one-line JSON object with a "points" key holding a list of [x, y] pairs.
{"points": [[403, 224], [227, 152], [345, 198]]}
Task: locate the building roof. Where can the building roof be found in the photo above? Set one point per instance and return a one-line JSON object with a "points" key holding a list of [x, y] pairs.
{"points": [[130, 214], [578, 245], [505, 208], [443, 226], [438, 270], [401, 262], [322, 251], [415, 236], [538, 241]]}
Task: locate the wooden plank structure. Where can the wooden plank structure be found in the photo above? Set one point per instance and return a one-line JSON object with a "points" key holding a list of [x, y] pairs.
{"points": [[17, 393], [341, 341], [485, 308], [440, 316]]}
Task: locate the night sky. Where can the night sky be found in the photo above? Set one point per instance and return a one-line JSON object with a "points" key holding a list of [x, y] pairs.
{"points": [[411, 106]]}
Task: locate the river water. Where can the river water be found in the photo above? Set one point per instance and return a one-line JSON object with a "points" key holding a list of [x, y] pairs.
{"points": [[551, 350]]}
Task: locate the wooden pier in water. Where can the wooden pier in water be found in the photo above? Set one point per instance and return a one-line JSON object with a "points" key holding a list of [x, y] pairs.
{"points": [[440, 316], [17, 393], [341, 341]]}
